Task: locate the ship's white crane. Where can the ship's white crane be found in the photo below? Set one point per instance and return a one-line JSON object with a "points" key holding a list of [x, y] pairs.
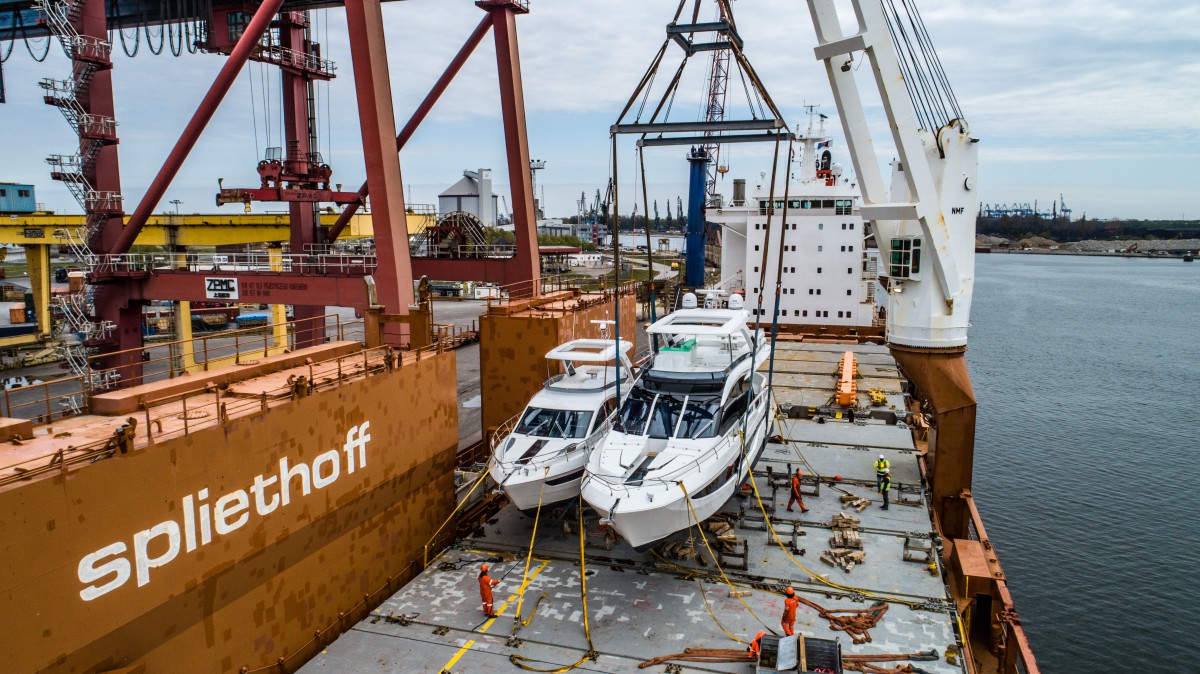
{"points": [[925, 226]]}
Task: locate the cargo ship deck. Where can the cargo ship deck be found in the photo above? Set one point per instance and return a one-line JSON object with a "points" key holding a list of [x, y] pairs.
{"points": [[642, 605]]}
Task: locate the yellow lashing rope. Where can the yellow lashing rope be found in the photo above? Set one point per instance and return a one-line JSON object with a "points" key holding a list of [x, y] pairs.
{"points": [[517, 622], [698, 576], [810, 572], [591, 653], [799, 454], [704, 596], [482, 476], [699, 527]]}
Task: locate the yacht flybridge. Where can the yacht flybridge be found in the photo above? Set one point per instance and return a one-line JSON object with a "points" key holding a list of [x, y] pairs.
{"points": [[541, 454], [683, 424]]}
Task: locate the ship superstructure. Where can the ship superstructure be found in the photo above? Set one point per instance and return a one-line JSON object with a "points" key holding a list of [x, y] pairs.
{"points": [[830, 278]]}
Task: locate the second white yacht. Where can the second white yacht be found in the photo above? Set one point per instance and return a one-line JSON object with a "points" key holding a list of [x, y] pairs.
{"points": [[540, 455]]}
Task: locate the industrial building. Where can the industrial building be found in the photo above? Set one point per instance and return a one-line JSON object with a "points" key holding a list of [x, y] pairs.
{"points": [[464, 196]]}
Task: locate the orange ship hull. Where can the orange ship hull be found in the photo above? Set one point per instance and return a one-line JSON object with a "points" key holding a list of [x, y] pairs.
{"points": [[187, 554]]}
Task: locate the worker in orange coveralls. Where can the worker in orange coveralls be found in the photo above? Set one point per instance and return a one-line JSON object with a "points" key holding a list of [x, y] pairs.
{"points": [[485, 590], [796, 497], [789, 612], [755, 645]]}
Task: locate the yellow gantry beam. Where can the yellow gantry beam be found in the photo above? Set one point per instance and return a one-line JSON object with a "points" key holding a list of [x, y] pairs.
{"points": [[188, 230]]}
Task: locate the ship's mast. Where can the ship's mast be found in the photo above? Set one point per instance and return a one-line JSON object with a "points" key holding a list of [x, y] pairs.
{"points": [[809, 140]]}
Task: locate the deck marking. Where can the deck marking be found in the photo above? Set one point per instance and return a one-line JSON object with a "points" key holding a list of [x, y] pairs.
{"points": [[488, 624], [459, 654]]}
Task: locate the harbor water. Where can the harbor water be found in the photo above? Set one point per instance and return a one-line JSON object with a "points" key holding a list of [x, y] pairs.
{"points": [[1086, 463]]}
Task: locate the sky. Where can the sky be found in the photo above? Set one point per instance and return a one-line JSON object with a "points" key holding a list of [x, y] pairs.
{"points": [[1094, 100]]}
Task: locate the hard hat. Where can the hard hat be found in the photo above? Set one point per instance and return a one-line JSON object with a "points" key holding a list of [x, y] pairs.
{"points": [[799, 472], [790, 591], [881, 456], [484, 567]]}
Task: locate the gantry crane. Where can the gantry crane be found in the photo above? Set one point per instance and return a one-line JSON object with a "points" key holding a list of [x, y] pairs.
{"points": [[109, 312]]}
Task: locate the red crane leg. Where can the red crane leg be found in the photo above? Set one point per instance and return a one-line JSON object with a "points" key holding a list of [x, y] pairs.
{"points": [[297, 126], [525, 265], [418, 116], [110, 304], [377, 122]]}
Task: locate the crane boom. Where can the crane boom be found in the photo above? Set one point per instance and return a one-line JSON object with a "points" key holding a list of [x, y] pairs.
{"points": [[927, 218], [925, 230]]}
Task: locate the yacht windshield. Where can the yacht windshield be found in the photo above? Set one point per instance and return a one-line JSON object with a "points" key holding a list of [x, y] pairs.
{"points": [[699, 418], [545, 423], [664, 417], [633, 415]]}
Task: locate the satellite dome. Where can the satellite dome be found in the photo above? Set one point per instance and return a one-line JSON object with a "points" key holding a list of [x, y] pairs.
{"points": [[736, 301], [689, 300]]}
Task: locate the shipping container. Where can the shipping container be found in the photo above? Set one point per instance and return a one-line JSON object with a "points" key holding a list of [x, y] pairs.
{"points": [[17, 198]]}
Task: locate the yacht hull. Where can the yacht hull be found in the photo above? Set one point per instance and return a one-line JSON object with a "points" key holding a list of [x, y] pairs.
{"points": [[647, 514], [526, 491]]}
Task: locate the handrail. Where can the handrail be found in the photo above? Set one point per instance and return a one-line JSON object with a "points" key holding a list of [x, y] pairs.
{"points": [[521, 290], [1017, 647], [246, 341], [43, 411], [322, 375], [585, 444], [343, 262]]}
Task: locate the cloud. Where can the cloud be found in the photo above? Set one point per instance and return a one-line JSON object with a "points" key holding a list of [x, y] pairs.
{"points": [[1069, 92]]}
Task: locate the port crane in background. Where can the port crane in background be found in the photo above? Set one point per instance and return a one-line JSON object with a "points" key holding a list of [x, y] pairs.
{"points": [[714, 112], [925, 229], [108, 313]]}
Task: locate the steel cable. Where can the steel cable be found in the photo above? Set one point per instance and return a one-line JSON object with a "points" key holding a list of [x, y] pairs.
{"points": [[25, 38], [700, 527]]}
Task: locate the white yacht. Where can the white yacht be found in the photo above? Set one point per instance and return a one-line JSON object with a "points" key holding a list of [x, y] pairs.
{"points": [[684, 423], [541, 454]]}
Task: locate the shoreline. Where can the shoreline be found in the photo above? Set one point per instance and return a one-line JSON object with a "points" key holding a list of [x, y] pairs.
{"points": [[1082, 253]]}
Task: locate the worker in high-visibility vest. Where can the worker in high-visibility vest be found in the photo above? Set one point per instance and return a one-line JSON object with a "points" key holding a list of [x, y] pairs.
{"points": [[796, 497], [882, 466], [789, 612], [486, 583], [885, 486], [755, 646]]}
